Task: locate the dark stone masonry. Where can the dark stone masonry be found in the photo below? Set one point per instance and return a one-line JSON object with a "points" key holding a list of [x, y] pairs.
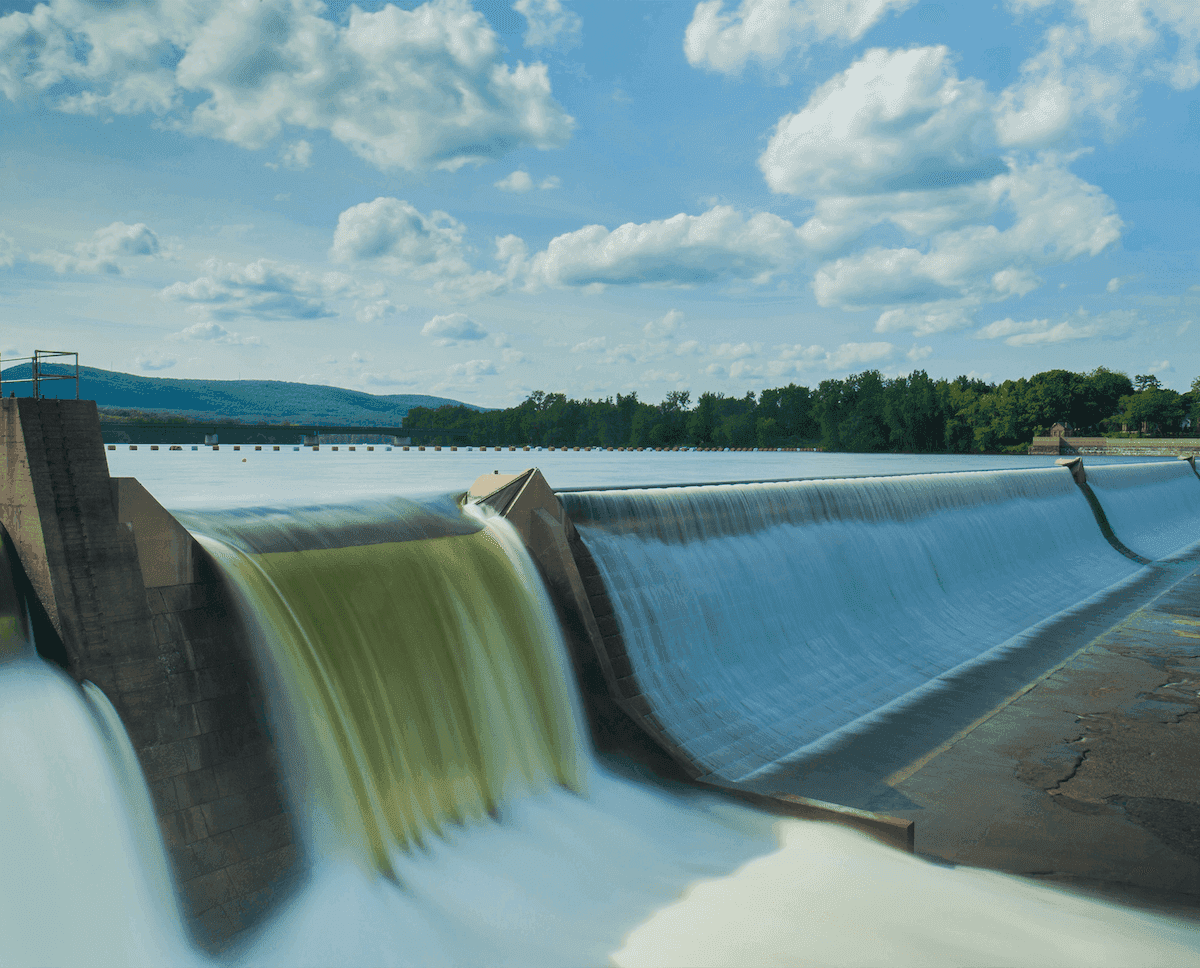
{"points": [[142, 614]]}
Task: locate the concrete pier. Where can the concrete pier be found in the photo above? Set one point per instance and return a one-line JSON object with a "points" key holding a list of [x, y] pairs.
{"points": [[141, 615]]}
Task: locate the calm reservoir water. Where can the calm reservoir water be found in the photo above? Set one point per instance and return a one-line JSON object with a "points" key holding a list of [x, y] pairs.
{"points": [[229, 478]]}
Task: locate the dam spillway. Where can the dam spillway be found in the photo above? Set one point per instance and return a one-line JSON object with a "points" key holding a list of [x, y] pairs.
{"points": [[783, 621], [393, 757], [420, 710]]}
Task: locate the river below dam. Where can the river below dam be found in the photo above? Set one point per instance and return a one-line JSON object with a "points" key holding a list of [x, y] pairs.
{"points": [[449, 806]]}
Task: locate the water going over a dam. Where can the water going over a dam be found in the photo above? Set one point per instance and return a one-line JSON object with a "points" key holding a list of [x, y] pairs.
{"points": [[357, 732]]}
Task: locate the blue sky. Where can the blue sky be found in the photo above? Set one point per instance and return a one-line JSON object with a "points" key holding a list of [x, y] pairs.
{"points": [[479, 200]]}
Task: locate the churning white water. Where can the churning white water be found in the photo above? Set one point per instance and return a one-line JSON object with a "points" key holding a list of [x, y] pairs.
{"points": [[83, 871], [624, 875], [1153, 508]]}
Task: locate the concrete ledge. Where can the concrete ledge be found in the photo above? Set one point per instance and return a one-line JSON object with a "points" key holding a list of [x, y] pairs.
{"points": [[893, 831]]}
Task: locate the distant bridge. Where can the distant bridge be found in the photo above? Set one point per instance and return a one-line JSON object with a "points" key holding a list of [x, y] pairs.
{"points": [[237, 433]]}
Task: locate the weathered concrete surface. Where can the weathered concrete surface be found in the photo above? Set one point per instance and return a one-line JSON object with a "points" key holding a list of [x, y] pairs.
{"points": [[1091, 778], [140, 614]]}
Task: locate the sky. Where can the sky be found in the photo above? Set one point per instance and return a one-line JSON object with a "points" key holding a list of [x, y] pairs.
{"points": [[479, 200]]}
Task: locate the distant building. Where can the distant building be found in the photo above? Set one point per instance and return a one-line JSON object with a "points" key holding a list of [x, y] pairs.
{"points": [[1062, 429]]}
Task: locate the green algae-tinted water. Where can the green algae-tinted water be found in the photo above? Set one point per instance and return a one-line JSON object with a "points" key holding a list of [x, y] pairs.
{"points": [[425, 682]]}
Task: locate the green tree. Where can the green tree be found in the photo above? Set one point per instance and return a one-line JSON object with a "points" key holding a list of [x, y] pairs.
{"points": [[1152, 410], [915, 420], [702, 422], [1098, 397]]}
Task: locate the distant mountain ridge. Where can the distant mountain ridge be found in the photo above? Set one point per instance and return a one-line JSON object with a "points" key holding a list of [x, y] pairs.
{"points": [[252, 401]]}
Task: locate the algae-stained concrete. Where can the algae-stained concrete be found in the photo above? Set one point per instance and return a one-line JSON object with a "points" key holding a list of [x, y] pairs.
{"points": [[1090, 779]]}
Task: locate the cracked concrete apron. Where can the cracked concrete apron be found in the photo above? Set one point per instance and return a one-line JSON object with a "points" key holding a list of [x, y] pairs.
{"points": [[1091, 778]]}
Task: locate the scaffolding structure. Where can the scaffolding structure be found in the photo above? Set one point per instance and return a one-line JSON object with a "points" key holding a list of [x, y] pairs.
{"points": [[37, 375]]}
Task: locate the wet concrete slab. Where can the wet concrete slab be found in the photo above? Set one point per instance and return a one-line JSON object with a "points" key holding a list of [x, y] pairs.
{"points": [[1090, 779]]}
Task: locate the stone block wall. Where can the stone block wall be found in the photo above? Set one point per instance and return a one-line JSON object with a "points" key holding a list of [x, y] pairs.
{"points": [[210, 764], [142, 614]]}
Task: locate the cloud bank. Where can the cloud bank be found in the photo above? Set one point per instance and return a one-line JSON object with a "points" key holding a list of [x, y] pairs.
{"points": [[409, 89]]}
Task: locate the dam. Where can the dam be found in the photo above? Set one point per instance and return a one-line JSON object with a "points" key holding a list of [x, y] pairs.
{"points": [[366, 731]]}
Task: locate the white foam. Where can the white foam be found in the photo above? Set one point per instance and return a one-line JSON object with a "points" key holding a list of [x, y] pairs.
{"points": [[830, 897], [82, 871]]}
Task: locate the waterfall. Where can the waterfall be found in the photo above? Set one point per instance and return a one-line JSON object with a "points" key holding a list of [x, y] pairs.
{"points": [[420, 674], [1153, 508], [771, 621]]}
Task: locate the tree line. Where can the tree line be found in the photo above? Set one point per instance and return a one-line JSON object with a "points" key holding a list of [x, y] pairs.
{"points": [[865, 412]]}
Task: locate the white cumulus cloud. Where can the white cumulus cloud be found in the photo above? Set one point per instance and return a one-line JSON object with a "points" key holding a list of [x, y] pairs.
{"points": [[731, 351], [899, 138], [393, 236], [518, 182], [683, 250], [210, 332], [413, 89], [893, 120], [101, 252], [767, 30], [1158, 38], [662, 376], [378, 311], [452, 329]]}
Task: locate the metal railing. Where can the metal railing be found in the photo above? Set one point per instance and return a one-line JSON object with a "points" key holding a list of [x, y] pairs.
{"points": [[37, 376]]}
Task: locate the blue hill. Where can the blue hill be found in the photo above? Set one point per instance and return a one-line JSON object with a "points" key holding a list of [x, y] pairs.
{"points": [[252, 401]]}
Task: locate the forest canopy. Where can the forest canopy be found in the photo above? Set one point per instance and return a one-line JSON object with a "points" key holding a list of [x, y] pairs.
{"points": [[863, 412]]}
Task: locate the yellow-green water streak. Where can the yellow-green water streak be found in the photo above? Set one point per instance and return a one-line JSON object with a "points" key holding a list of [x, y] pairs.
{"points": [[425, 674]]}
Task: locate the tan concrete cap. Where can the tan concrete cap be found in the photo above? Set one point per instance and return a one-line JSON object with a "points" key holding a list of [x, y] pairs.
{"points": [[1075, 466], [489, 484]]}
